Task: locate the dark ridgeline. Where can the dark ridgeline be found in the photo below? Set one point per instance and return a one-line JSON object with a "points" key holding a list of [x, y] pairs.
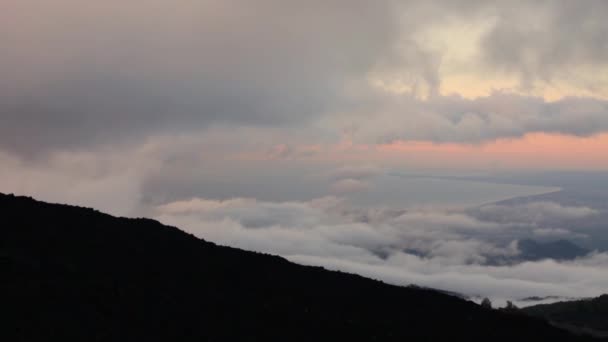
{"points": [[74, 274]]}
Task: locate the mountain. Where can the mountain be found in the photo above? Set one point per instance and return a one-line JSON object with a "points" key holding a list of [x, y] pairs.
{"points": [[582, 192], [75, 274], [532, 250], [588, 315]]}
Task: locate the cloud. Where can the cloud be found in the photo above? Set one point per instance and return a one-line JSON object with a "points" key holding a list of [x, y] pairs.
{"points": [[359, 172], [428, 231], [534, 212], [430, 247], [75, 76], [249, 212], [500, 283], [105, 182], [348, 185], [557, 232], [446, 119], [547, 39]]}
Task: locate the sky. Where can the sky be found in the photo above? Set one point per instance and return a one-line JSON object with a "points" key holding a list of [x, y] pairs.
{"points": [[260, 110]]}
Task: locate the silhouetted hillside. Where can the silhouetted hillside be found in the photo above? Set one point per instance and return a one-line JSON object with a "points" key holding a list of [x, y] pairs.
{"points": [[74, 274], [589, 315]]}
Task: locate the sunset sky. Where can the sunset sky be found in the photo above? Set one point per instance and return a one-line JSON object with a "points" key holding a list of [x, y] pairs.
{"points": [[134, 107], [499, 84], [111, 89]]}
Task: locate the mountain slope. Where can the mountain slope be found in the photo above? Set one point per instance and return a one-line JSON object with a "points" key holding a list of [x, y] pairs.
{"points": [[585, 315], [75, 274]]}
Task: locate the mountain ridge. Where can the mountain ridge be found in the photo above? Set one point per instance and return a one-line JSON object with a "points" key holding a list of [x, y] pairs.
{"points": [[73, 273], [587, 315]]}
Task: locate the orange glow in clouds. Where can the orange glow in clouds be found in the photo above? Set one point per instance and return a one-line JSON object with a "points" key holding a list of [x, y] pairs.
{"points": [[532, 151], [537, 150]]}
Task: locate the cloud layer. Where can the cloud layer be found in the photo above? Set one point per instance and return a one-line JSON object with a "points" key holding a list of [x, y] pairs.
{"points": [[76, 76], [441, 248]]}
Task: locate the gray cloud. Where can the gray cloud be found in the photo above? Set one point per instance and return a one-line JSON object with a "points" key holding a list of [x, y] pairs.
{"points": [[79, 76], [457, 119], [359, 172], [108, 182], [542, 39], [74, 75], [349, 185], [534, 212]]}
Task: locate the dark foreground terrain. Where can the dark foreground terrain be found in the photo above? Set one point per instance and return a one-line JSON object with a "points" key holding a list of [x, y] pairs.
{"points": [[74, 274], [585, 315]]}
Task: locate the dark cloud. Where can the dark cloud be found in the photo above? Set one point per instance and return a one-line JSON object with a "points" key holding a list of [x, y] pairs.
{"points": [[75, 76]]}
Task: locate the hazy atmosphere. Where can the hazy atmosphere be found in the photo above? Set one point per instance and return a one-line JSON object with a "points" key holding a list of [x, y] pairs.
{"points": [[458, 145]]}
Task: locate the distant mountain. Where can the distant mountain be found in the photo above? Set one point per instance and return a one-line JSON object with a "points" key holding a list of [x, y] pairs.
{"points": [[592, 196], [586, 315], [532, 250], [74, 274]]}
